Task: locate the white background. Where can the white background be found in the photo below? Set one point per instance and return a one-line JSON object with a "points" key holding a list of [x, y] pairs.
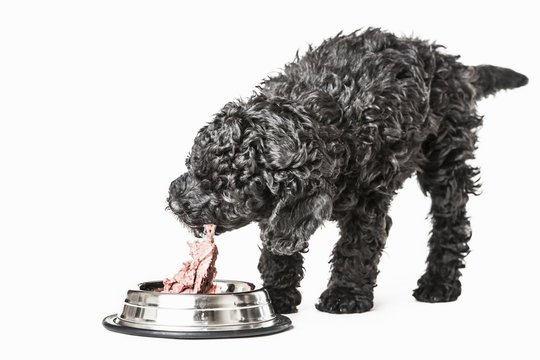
{"points": [[99, 103]]}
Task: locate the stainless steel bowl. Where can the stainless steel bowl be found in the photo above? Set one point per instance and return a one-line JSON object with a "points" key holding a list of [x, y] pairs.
{"points": [[238, 310]]}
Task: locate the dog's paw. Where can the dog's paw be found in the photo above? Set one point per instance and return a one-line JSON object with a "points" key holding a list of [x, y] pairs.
{"points": [[342, 300], [284, 301], [433, 292]]}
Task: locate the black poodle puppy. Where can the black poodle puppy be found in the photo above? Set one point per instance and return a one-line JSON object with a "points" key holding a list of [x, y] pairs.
{"points": [[333, 137]]}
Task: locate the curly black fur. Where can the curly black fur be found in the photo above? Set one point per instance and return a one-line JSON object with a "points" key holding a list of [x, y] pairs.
{"points": [[333, 137]]}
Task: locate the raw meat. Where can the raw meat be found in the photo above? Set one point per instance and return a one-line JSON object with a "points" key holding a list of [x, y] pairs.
{"points": [[197, 275]]}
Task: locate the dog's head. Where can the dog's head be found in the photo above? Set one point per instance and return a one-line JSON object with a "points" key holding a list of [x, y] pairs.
{"points": [[257, 161]]}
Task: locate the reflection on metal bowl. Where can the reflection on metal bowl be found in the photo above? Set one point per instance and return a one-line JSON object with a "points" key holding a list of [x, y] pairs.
{"points": [[237, 310]]}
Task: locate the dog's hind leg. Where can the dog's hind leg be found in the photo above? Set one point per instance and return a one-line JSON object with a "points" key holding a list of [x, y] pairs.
{"points": [[355, 259], [281, 275], [449, 180]]}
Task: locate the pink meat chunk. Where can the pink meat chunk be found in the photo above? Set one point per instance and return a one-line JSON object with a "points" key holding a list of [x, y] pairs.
{"points": [[197, 275]]}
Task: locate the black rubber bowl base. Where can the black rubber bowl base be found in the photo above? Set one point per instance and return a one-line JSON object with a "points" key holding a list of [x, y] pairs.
{"points": [[282, 323]]}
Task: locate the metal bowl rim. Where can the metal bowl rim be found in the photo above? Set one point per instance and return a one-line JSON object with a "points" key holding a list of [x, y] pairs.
{"points": [[256, 288]]}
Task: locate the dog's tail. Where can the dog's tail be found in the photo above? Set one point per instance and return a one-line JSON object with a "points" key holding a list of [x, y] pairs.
{"points": [[488, 79]]}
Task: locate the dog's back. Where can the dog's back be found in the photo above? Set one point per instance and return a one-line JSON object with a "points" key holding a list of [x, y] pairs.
{"points": [[385, 95]]}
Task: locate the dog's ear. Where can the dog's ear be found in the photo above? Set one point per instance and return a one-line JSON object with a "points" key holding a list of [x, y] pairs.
{"points": [[293, 221], [296, 169]]}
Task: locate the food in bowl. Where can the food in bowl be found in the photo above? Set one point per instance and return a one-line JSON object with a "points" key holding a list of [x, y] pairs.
{"points": [[197, 275]]}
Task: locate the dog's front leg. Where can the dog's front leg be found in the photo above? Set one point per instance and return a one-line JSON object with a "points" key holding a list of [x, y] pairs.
{"points": [[281, 275], [285, 237], [354, 262]]}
